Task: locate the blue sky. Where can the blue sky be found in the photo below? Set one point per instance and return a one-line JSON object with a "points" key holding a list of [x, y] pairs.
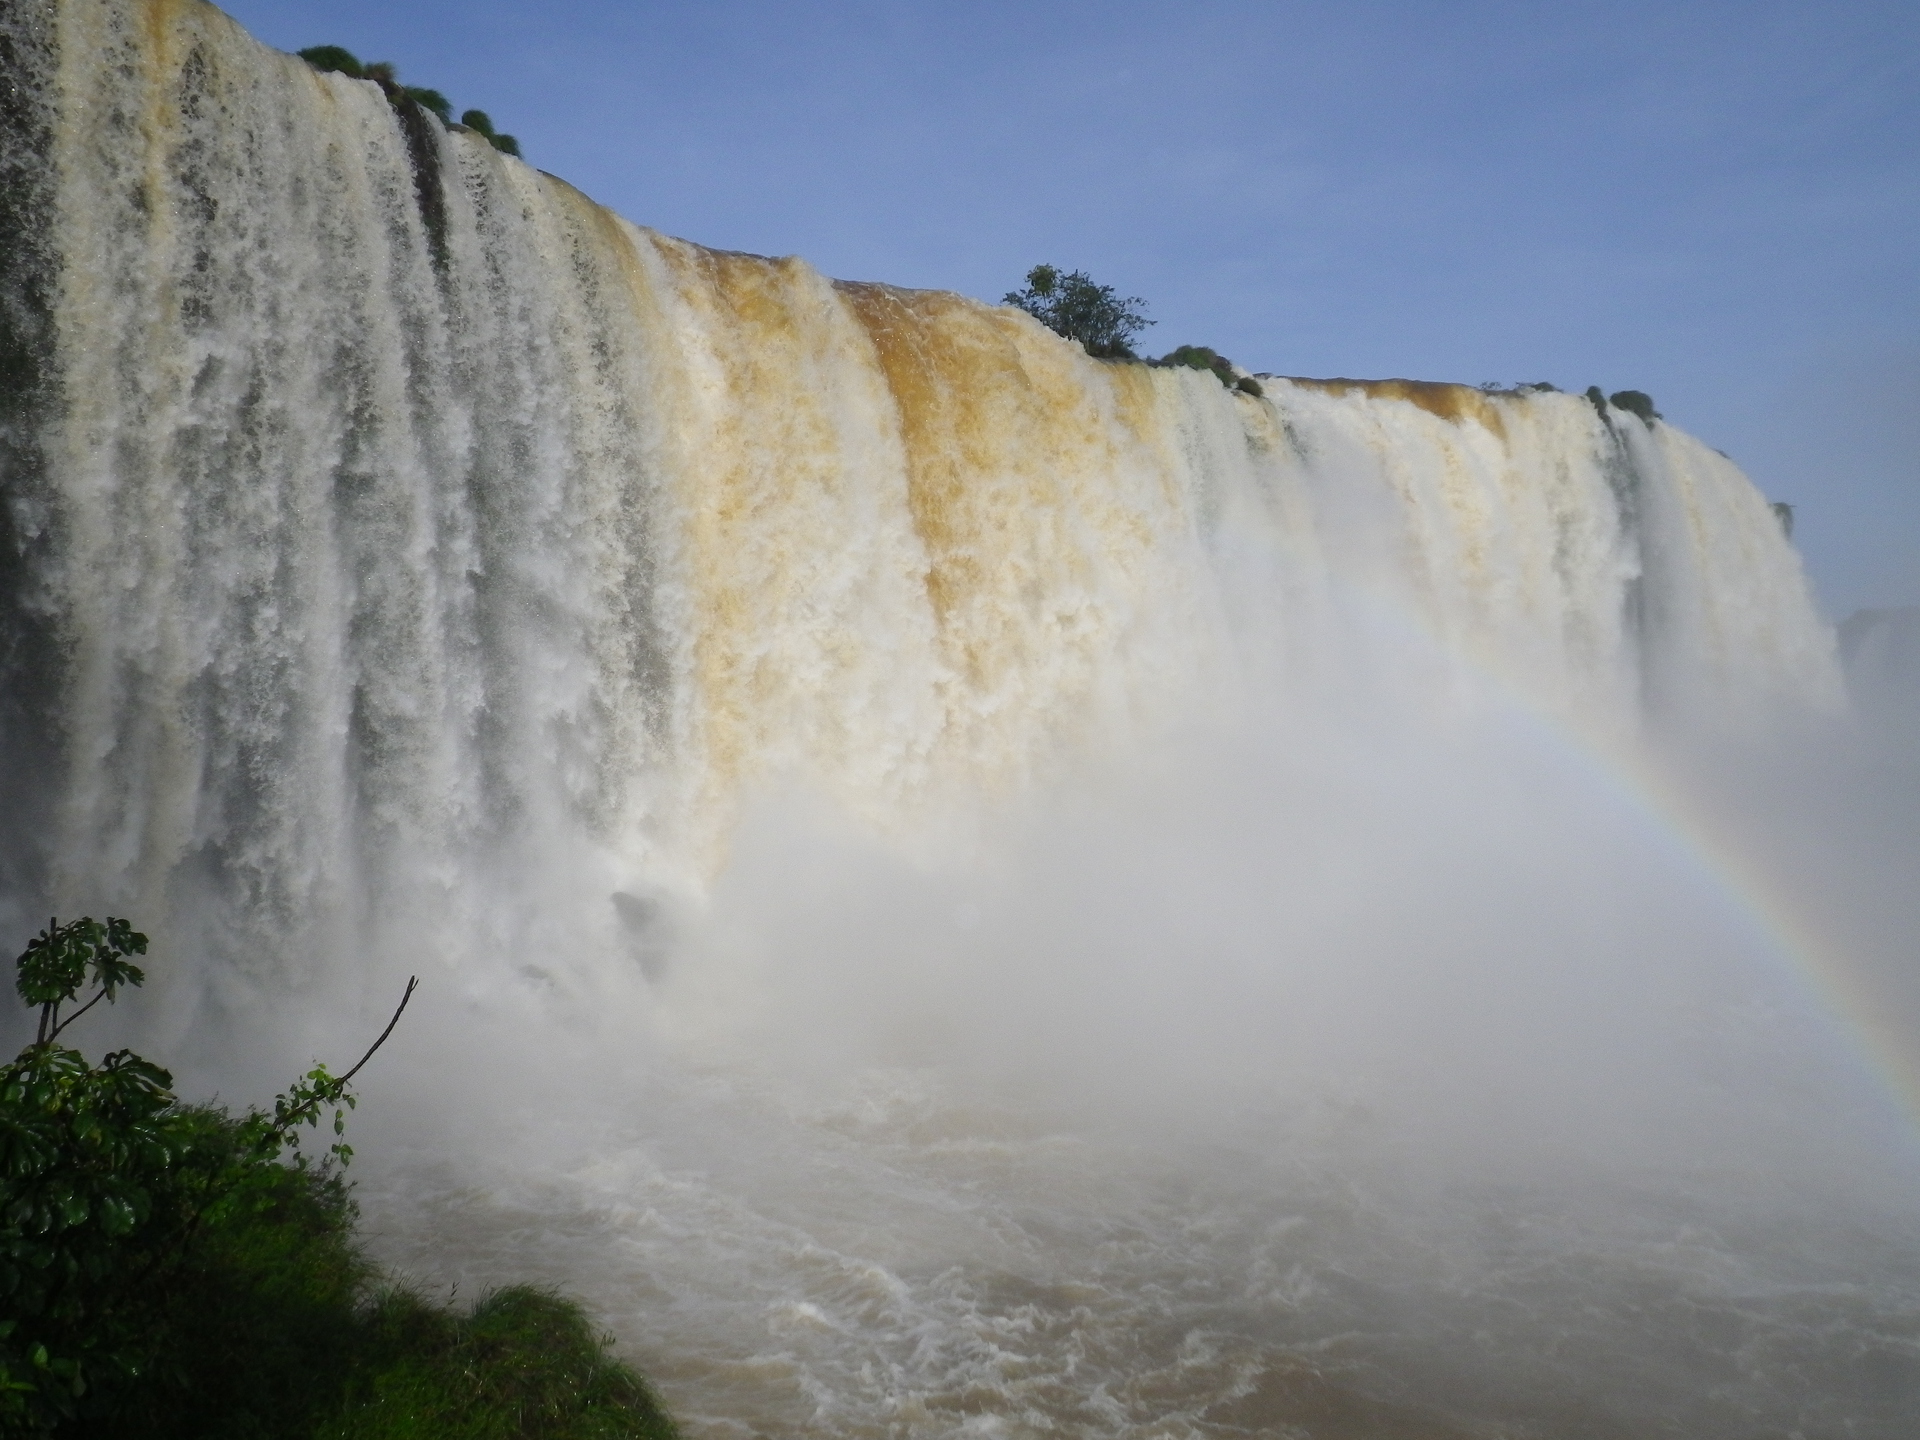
{"points": [[1716, 203]]}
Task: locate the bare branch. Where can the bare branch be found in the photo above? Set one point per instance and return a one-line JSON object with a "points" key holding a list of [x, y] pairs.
{"points": [[301, 1106], [54, 1034], [413, 983]]}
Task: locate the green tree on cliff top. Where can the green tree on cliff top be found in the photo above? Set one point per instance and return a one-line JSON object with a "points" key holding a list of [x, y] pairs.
{"points": [[1074, 306]]}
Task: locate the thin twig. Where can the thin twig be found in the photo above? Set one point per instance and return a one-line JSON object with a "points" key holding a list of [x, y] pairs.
{"points": [[336, 1086], [185, 1235], [413, 983], [54, 1034]]}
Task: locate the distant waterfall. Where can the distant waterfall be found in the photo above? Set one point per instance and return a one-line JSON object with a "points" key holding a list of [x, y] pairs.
{"points": [[395, 538]]}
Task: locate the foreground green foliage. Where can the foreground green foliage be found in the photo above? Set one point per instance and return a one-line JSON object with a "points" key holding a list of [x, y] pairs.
{"points": [[101, 1188], [108, 1180], [339, 59], [256, 1328], [170, 1270], [277, 1330], [1074, 306]]}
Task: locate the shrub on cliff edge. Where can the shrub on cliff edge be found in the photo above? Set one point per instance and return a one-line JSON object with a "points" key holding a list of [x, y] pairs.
{"points": [[339, 59], [1074, 306], [1635, 402], [1203, 357]]}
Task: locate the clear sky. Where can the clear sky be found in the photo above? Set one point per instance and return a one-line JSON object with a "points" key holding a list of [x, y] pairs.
{"points": [[1717, 203]]}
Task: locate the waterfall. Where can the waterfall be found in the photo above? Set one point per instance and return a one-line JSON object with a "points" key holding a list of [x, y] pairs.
{"points": [[1132, 934], [386, 518]]}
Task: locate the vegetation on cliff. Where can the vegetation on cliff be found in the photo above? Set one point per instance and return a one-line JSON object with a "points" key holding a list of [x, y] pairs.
{"points": [[1073, 305], [1634, 402], [340, 60], [1202, 357]]}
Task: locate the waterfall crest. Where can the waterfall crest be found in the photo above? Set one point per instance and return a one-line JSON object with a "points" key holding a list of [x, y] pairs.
{"points": [[383, 514]]}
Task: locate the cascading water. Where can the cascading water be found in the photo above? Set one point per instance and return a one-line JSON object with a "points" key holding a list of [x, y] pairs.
{"points": [[411, 564]]}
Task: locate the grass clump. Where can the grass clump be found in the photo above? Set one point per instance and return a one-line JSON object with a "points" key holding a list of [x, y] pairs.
{"points": [[525, 1364]]}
